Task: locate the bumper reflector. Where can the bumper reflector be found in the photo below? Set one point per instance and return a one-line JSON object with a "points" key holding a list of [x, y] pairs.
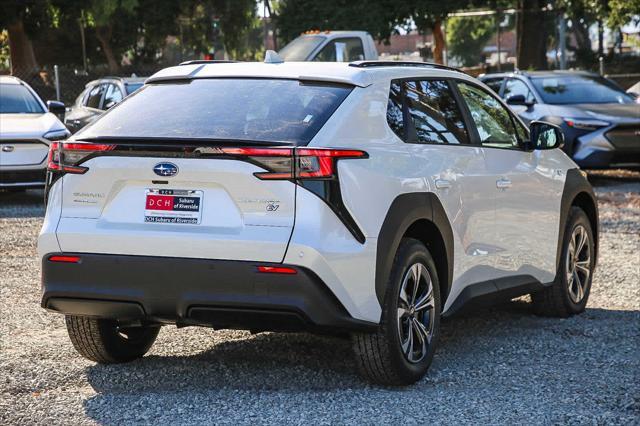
{"points": [[65, 259], [276, 270]]}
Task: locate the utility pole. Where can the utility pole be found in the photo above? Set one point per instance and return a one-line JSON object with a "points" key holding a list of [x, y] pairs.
{"points": [[562, 35], [84, 44], [498, 31]]}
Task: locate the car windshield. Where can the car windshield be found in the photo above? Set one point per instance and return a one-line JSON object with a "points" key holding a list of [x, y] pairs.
{"points": [[132, 87], [17, 99], [579, 89], [262, 110], [300, 48]]}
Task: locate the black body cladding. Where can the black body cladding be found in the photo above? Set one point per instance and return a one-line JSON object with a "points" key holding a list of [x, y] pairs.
{"points": [[406, 210]]}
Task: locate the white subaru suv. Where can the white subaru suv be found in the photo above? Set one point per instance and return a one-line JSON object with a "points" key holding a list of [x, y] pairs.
{"points": [[27, 127], [370, 198]]}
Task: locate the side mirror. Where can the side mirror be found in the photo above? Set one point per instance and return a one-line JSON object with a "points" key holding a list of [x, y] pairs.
{"points": [[545, 135], [518, 100], [57, 108]]}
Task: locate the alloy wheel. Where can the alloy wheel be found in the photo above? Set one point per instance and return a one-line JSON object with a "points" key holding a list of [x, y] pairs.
{"points": [[578, 264], [416, 312]]}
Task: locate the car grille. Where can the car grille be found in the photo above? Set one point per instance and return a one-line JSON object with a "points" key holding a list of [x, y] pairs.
{"points": [[23, 176], [625, 138]]}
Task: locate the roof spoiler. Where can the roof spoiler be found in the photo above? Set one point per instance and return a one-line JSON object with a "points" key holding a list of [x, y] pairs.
{"points": [[372, 64], [207, 61]]}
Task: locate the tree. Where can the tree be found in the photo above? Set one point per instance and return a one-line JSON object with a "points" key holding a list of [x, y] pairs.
{"points": [[22, 20], [622, 12], [532, 35], [467, 36], [429, 15], [103, 15]]}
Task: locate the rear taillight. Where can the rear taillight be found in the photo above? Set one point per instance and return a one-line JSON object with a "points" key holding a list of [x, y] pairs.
{"points": [[298, 163], [65, 157]]}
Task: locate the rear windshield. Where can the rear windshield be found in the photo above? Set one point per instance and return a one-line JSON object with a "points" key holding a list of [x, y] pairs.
{"points": [[266, 110], [300, 48], [17, 99], [579, 89]]}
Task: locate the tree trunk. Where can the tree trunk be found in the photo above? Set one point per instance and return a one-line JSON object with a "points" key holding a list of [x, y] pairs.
{"points": [[532, 36], [104, 36], [272, 24], [23, 58], [438, 41]]}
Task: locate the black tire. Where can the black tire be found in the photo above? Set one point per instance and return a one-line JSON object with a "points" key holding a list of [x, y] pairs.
{"points": [[379, 355], [101, 340], [556, 300]]}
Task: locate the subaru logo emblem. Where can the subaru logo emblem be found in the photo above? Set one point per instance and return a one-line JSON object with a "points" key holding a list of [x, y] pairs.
{"points": [[165, 169]]}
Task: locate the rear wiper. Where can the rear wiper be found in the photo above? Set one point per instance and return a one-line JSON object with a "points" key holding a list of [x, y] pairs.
{"points": [[171, 141]]}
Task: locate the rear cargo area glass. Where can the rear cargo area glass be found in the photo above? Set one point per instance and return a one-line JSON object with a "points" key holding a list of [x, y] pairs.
{"points": [[263, 110]]}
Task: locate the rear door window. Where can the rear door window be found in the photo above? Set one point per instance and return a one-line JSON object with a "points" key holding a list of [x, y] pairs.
{"points": [[112, 96], [434, 115], [395, 114], [95, 96], [341, 50], [255, 110]]}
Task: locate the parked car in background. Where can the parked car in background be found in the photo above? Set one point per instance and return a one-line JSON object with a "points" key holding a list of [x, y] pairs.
{"points": [[97, 97], [635, 91], [600, 121], [370, 198], [330, 46], [27, 126]]}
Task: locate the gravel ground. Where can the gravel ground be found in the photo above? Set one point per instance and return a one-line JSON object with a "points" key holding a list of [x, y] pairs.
{"points": [[502, 365]]}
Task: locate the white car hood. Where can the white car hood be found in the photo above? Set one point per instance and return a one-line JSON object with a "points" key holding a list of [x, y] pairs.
{"points": [[28, 125]]}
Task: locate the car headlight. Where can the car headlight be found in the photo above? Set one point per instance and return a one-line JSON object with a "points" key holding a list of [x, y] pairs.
{"points": [[57, 135], [585, 123]]}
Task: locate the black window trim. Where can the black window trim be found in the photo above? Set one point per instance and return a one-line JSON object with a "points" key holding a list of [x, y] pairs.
{"points": [[411, 137]]}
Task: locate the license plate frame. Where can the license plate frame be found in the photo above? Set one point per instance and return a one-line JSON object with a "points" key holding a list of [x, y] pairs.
{"points": [[173, 206]]}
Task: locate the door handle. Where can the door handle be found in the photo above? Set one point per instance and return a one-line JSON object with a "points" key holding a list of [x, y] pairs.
{"points": [[442, 184], [503, 183]]}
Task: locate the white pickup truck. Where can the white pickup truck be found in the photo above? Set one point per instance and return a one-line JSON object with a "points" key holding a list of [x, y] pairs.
{"points": [[330, 46]]}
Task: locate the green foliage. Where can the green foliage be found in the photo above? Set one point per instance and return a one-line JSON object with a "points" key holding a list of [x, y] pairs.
{"points": [[622, 11], [5, 55], [467, 36]]}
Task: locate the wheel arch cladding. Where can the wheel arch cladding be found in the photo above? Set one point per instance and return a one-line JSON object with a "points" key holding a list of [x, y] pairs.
{"points": [[579, 193], [420, 216]]}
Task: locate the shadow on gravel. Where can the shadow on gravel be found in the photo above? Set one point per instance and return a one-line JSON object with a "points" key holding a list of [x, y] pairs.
{"points": [[22, 204], [304, 362], [268, 361], [504, 353]]}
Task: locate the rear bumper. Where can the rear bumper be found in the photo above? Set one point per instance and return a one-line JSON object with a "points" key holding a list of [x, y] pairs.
{"points": [[181, 291]]}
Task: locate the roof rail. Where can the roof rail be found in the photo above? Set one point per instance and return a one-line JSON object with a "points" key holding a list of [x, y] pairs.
{"points": [[206, 61], [371, 64]]}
